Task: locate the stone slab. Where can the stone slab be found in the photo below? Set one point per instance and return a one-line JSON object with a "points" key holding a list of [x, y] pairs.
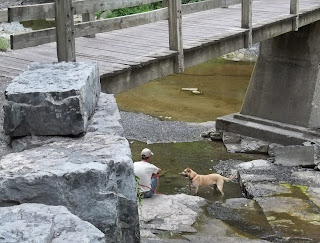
{"points": [[267, 130], [310, 177], [32, 222], [254, 190], [173, 213], [258, 164], [52, 99], [294, 155]]}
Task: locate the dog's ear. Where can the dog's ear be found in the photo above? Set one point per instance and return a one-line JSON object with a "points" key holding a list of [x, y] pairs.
{"points": [[188, 169]]}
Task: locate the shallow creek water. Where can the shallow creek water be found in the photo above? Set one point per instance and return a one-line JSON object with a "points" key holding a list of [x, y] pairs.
{"points": [[222, 85]]}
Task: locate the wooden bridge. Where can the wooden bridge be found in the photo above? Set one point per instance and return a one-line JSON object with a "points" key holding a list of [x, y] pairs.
{"points": [[135, 49]]}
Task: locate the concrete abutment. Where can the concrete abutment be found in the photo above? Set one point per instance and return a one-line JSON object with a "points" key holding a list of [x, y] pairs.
{"points": [[282, 103]]}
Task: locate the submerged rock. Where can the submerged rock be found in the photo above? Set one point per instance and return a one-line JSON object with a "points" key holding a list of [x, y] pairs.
{"points": [[243, 214], [292, 218]]}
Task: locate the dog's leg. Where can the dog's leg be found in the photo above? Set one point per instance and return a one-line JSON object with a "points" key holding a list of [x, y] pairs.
{"points": [[220, 187], [196, 190]]}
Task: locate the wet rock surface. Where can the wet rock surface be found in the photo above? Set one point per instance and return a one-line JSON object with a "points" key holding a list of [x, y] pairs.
{"points": [[244, 214], [286, 200], [175, 216]]}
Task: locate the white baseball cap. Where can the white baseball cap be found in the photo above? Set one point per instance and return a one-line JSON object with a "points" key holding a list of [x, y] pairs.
{"points": [[146, 153]]}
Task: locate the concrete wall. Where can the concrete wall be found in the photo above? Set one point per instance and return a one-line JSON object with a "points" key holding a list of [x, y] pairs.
{"points": [[284, 86]]}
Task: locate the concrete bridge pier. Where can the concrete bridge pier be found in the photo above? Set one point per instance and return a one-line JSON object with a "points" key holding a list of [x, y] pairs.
{"points": [[282, 103]]}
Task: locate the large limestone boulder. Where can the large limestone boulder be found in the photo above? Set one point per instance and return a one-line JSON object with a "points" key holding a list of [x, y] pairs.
{"points": [[52, 99], [32, 222], [92, 176]]}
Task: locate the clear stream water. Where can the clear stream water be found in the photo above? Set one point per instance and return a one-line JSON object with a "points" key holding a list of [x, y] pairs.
{"points": [[223, 86]]}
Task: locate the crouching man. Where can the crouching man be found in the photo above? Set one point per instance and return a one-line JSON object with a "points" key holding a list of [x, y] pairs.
{"points": [[148, 174]]}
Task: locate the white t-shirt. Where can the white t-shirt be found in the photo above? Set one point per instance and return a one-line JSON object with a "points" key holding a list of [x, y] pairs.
{"points": [[144, 171]]}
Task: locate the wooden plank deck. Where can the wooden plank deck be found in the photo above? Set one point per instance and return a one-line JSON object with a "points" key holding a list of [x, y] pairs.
{"points": [[122, 50]]}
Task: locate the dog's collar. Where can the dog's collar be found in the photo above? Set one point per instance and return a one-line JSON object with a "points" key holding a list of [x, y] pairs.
{"points": [[192, 178]]}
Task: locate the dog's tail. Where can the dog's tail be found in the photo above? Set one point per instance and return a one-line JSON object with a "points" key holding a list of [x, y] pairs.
{"points": [[230, 178]]}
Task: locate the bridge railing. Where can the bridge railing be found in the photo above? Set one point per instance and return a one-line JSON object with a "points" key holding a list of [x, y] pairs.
{"points": [[66, 30]]}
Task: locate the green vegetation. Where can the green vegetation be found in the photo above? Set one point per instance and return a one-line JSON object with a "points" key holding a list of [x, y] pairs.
{"points": [[137, 9], [139, 195], [4, 44]]}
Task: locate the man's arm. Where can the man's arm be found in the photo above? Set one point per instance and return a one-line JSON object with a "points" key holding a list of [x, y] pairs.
{"points": [[159, 171], [157, 174]]}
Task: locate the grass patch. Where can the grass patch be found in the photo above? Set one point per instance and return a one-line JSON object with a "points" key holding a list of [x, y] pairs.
{"points": [[4, 44]]}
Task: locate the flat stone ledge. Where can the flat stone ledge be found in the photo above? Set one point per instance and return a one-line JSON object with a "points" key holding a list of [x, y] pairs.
{"points": [[33, 222], [273, 132], [52, 99], [295, 156]]}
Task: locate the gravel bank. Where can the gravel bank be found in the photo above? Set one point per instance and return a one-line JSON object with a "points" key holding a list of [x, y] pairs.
{"points": [[148, 129]]}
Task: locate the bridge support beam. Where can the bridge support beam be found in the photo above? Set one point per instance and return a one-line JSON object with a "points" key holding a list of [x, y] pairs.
{"points": [[282, 103]]}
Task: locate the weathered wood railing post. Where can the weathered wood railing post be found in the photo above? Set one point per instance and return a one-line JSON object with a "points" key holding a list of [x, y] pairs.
{"points": [[294, 9], [246, 21], [175, 33], [86, 17], [65, 31]]}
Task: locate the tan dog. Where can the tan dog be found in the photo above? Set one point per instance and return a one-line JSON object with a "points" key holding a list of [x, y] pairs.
{"points": [[205, 180]]}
